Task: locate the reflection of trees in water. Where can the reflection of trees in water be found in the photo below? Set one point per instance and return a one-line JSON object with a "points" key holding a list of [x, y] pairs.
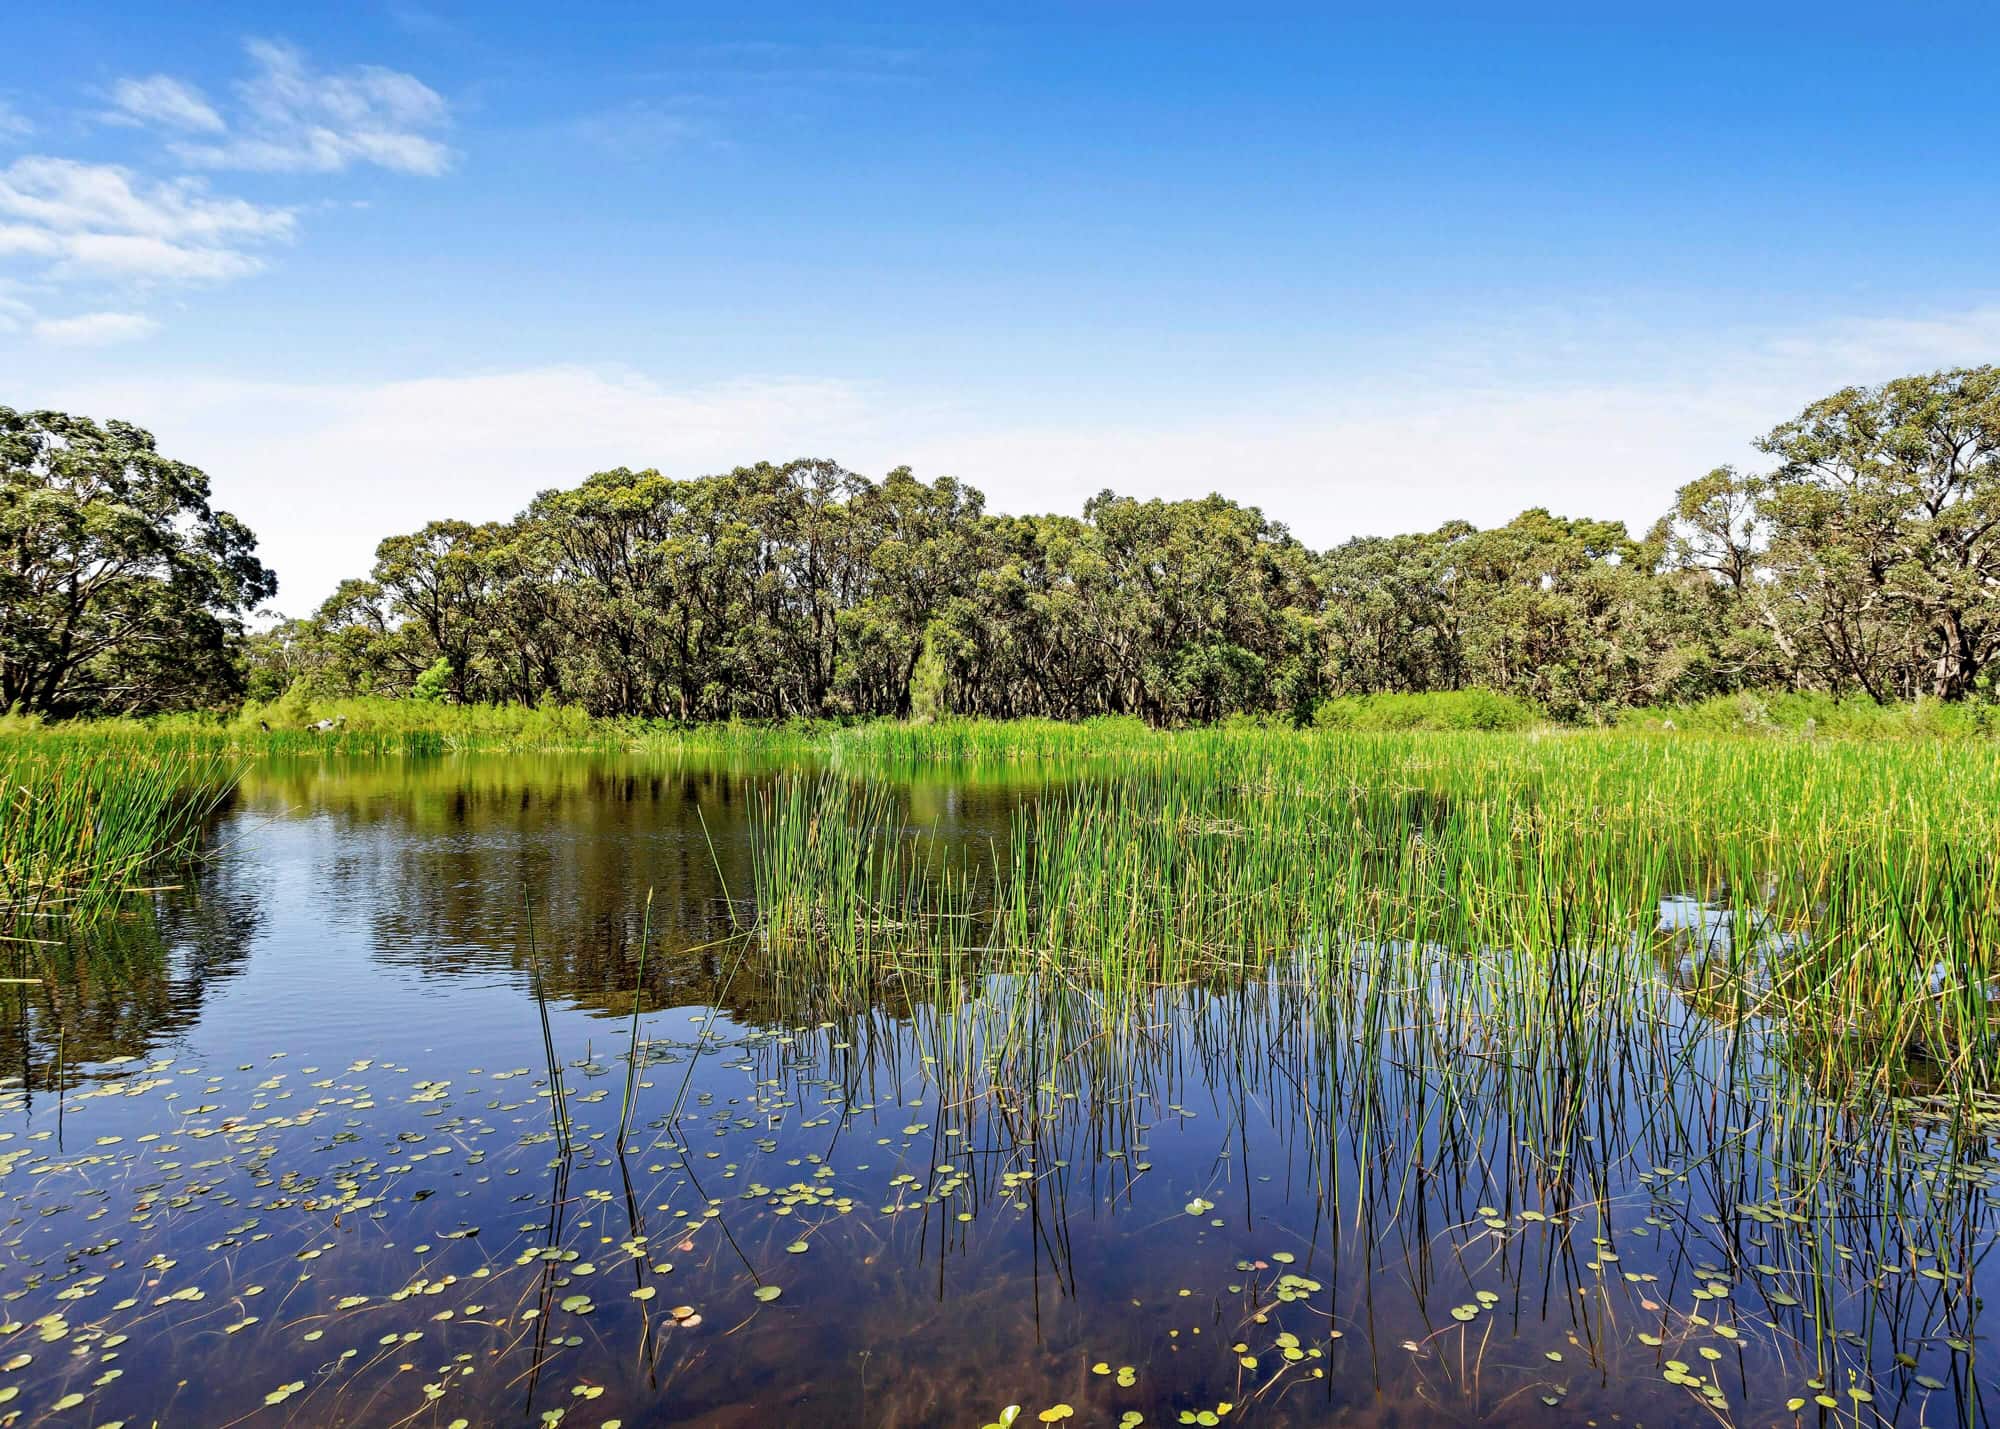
{"points": [[440, 858], [128, 984]]}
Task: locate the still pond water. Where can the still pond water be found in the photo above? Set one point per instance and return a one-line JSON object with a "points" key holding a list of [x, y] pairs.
{"points": [[306, 1167]]}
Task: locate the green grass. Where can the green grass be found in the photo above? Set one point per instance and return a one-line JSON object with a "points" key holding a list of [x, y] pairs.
{"points": [[400, 727], [369, 727], [1442, 710], [83, 824], [1442, 960], [1821, 716]]}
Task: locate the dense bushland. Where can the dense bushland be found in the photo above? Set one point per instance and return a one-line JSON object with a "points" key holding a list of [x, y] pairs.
{"points": [[1865, 562]]}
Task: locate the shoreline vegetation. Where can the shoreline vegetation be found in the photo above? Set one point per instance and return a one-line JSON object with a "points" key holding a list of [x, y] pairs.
{"points": [[1840, 898], [1836, 862], [89, 809], [1492, 760], [385, 726], [1840, 887], [1512, 962], [85, 822]]}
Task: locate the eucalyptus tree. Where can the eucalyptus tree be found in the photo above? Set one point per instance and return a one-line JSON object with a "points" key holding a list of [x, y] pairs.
{"points": [[441, 579], [1867, 559], [1394, 619], [1885, 532], [1733, 623], [921, 543], [121, 587]]}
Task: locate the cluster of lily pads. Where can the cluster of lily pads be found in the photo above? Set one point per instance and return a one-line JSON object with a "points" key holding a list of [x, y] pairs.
{"points": [[299, 1240]]}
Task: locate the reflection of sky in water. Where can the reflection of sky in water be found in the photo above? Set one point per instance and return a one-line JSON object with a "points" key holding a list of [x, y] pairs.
{"points": [[338, 1091], [1708, 930], [1713, 930]]}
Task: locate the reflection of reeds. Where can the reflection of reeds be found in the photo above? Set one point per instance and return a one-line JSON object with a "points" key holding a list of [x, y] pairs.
{"points": [[558, 1096], [1878, 863], [632, 1050], [1450, 952], [1593, 1111], [80, 826]]}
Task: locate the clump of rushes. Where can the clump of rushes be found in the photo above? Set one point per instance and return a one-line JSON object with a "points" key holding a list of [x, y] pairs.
{"points": [[1465, 967], [1845, 899], [82, 825], [837, 876]]}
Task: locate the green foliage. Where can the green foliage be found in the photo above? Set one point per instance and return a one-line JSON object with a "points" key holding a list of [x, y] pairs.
{"points": [[121, 589], [82, 821], [964, 742], [1817, 714], [1443, 710], [300, 724], [1885, 532], [1867, 561], [1856, 883], [432, 686], [807, 591], [927, 681]]}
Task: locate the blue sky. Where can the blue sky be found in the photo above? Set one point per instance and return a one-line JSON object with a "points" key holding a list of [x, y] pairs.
{"points": [[372, 265]]}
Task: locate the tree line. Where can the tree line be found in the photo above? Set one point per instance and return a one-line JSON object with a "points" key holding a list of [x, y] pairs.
{"points": [[1865, 559]]}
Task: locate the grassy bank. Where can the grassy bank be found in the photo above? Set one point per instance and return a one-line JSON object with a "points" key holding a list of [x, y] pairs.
{"points": [[349, 727], [1821, 716], [370, 727]]}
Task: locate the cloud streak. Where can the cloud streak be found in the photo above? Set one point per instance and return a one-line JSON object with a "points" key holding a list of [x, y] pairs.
{"points": [[297, 119], [71, 223], [162, 99], [96, 329], [103, 221]]}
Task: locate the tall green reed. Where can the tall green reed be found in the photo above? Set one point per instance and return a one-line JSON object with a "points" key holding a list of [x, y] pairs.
{"points": [[1857, 889], [81, 826]]}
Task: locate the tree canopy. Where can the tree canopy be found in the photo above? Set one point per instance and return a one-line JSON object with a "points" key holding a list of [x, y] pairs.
{"points": [[1865, 560], [121, 588]]}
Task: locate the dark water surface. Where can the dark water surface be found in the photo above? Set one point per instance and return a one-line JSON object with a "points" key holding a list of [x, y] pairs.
{"points": [[306, 1166]]}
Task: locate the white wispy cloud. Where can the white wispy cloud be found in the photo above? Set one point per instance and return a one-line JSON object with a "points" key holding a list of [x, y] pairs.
{"points": [[162, 99], [15, 313], [73, 197], [140, 257], [68, 225], [297, 119], [24, 240], [96, 329], [84, 220]]}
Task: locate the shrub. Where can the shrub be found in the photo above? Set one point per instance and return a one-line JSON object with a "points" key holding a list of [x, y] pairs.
{"points": [[1440, 709], [431, 686]]}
